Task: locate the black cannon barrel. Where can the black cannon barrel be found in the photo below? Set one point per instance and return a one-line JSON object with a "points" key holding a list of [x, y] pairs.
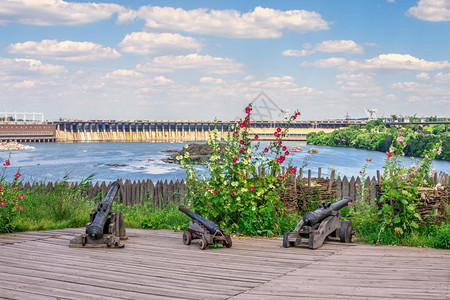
{"points": [[211, 226], [313, 217], [95, 230]]}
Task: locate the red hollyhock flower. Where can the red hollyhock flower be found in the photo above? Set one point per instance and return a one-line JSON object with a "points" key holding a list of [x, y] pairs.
{"points": [[17, 175], [7, 163], [287, 153], [234, 159], [284, 148], [266, 150], [256, 137], [278, 129]]}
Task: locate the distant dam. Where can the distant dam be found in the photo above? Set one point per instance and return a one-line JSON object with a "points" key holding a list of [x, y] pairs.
{"points": [[153, 131], [182, 131]]}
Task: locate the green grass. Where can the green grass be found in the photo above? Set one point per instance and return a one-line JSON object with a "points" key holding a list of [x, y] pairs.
{"points": [[66, 207]]}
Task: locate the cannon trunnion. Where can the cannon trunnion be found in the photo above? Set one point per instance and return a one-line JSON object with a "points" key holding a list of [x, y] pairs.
{"points": [[106, 227], [317, 225], [206, 231]]}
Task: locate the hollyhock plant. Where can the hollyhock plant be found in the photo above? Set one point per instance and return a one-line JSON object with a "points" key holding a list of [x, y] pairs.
{"points": [[247, 180], [10, 196], [400, 189]]}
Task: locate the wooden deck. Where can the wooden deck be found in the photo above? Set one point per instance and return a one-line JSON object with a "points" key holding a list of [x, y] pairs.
{"points": [[155, 264]]}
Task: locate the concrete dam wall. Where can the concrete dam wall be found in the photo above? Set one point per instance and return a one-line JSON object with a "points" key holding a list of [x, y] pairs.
{"points": [[180, 131]]}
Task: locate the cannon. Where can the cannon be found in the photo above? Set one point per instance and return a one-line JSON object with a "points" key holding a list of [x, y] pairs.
{"points": [[317, 225], [106, 227], [201, 228]]}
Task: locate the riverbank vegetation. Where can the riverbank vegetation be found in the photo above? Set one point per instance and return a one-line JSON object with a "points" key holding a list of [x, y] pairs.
{"points": [[376, 136]]}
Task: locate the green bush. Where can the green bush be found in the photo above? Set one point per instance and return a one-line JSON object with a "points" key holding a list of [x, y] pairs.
{"points": [[442, 237]]}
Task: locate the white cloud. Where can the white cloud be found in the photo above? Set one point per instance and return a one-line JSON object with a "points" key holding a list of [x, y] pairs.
{"points": [[293, 52], [17, 66], [66, 50], [55, 12], [145, 43], [284, 82], [212, 80], [338, 46], [332, 62], [383, 63], [423, 76], [260, 23], [442, 77], [431, 10], [202, 63], [359, 85]]}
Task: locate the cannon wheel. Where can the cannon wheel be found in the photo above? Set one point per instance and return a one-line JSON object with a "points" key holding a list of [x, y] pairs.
{"points": [[187, 237], [346, 231], [203, 243], [228, 244]]}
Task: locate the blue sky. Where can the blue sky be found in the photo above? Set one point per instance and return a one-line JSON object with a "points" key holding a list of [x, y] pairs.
{"points": [[200, 60]]}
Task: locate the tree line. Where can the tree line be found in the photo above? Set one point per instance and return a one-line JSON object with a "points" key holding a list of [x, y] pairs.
{"points": [[377, 136]]}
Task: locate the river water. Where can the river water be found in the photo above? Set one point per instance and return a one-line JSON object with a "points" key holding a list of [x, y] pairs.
{"points": [[142, 161]]}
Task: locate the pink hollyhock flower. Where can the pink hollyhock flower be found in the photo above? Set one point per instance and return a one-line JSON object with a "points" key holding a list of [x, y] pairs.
{"points": [[233, 191], [423, 196], [400, 139], [17, 206], [281, 177], [2, 203], [17, 175], [349, 203], [21, 209], [413, 165], [21, 197], [293, 170], [251, 189]]}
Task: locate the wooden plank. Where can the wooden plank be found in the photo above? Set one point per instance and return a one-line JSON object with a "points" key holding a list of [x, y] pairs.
{"points": [[156, 264]]}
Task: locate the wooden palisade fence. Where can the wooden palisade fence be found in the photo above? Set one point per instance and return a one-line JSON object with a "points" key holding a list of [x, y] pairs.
{"points": [[303, 184]]}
